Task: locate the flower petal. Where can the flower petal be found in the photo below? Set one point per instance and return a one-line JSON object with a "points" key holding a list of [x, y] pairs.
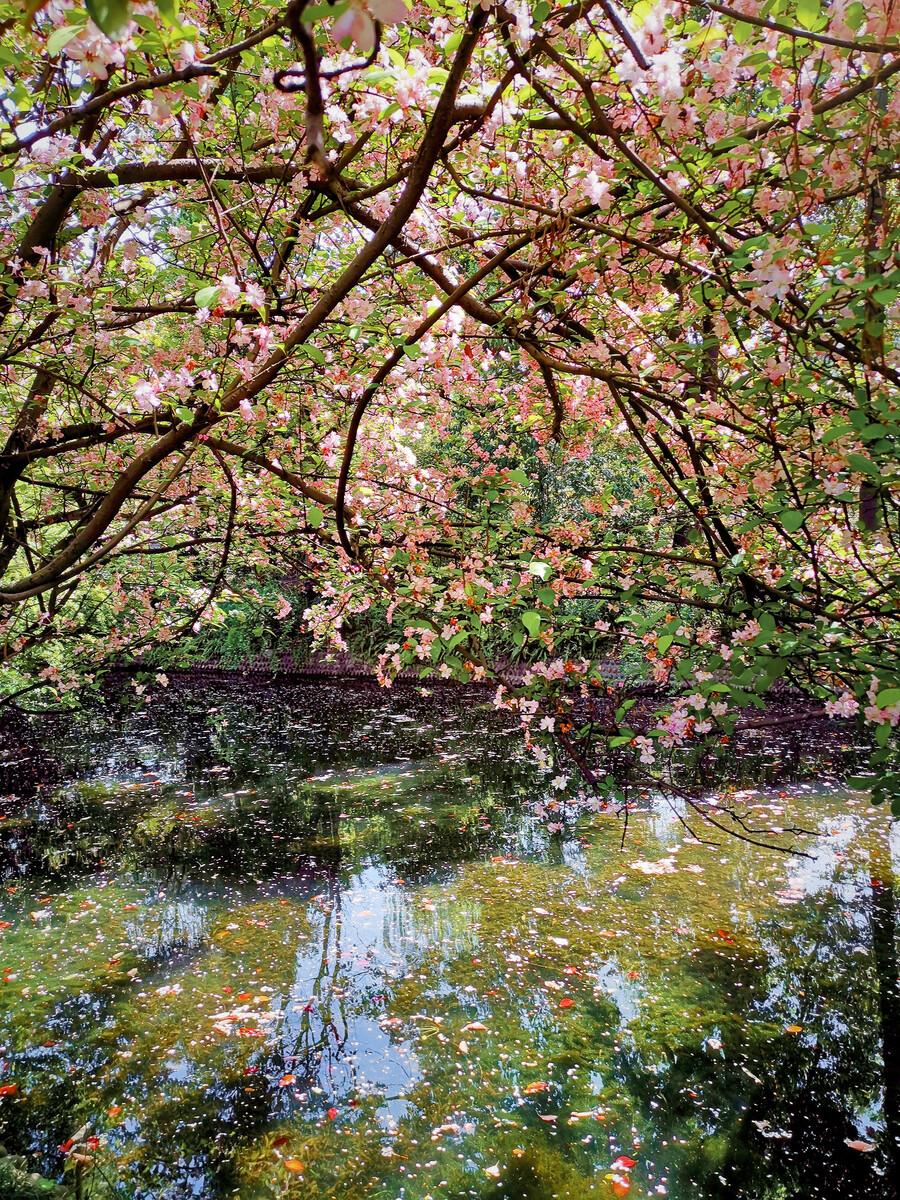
{"points": [[388, 12], [356, 25]]}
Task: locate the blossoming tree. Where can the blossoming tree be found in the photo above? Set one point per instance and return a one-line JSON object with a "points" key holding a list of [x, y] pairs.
{"points": [[327, 285]]}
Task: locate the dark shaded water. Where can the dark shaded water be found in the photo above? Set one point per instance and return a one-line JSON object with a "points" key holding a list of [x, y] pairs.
{"points": [[310, 943]]}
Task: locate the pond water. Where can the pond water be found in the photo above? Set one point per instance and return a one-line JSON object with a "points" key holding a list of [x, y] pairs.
{"points": [[311, 943]]}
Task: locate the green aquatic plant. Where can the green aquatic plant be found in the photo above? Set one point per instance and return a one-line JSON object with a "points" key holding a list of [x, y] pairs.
{"points": [[17, 1182]]}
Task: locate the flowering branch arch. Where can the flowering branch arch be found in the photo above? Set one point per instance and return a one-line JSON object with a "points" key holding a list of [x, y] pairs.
{"points": [[348, 313]]}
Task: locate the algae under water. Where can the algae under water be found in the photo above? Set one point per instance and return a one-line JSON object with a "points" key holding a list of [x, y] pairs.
{"points": [[309, 942]]}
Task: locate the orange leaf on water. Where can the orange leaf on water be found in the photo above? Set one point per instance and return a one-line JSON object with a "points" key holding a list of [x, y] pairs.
{"points": [[624, 1163], [294, 1165], [287, 1080], [567, 1002]]}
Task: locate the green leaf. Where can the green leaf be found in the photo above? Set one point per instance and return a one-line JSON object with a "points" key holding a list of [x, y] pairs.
{"points": [[888, 698], [517, 475], [315, 12], [742, 32], [314, 517], [820, 301], [532, 621], [808, 12], [109, 15], [314, 353], [883, 734], [547, 596], [541, 569], [60, 38], [871, 433], [858, 462], [792, 519], [207, 296], [775, 668], [835, 432], [861, 783], [664, 642], [168, 10]]}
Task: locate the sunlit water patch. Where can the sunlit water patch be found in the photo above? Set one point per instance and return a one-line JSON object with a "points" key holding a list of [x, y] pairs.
{"points": [[295, 946]]}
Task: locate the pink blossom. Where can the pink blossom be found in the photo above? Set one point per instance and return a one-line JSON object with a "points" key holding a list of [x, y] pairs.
{"points": [[52, 150], [358, 27], [254, 295], [845, 706], [34, 289], [646, 749], [388, 12], [751, 630], [146, 397], [229, 291], [597, 190], [95, 52], [666, 72]]}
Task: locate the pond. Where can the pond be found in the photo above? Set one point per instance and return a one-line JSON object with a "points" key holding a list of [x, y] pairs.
{"points": [[312, 942]]}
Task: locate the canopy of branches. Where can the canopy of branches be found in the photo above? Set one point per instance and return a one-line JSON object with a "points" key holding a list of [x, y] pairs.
{"points": [[472, 311]]}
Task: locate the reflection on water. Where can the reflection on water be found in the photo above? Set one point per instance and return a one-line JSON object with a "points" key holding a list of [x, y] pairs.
{"points": [[310, 944]]}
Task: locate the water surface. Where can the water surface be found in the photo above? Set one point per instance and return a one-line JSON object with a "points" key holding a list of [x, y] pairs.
{"points": [[311, 943]]}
